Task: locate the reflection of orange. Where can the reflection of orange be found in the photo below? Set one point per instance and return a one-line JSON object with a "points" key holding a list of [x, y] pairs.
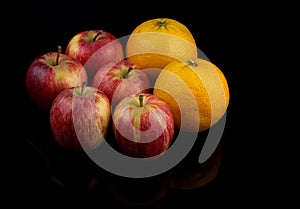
{"points": [[156, 42], [190, 175], [196, 91]]}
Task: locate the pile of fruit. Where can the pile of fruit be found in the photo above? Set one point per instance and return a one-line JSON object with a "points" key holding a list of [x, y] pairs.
{"points": [[143, 92]]}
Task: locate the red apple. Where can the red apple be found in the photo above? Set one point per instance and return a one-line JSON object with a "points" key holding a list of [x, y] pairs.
{"points": [[51, 73], [80, 117], [121, 79], [94, 48], [143, 125]]}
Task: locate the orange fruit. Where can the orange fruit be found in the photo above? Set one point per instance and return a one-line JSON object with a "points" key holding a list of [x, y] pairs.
{"points": [[157, 42], [196, 91]]}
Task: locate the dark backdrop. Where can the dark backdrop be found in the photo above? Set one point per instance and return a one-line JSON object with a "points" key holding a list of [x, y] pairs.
{"points": [[37, 169]]}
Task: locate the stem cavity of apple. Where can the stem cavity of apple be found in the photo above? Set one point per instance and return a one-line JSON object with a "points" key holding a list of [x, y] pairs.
{"points": [[58, 54], [141, 100], [127, 72], [97, 35]]}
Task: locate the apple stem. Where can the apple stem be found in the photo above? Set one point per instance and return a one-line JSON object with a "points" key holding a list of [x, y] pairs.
{"points": [[128, 71], [58, 54], [97, 35], [82, 88], [141, 98]]}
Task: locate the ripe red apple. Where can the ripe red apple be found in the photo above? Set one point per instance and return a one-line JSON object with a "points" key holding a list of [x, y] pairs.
{"points": [[80, 118], [51, 73], [143, 125], [93, 48], [121, 79]]}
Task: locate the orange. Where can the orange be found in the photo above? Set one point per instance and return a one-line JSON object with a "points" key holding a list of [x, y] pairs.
{"points": [[157, 42], [196, 91]]}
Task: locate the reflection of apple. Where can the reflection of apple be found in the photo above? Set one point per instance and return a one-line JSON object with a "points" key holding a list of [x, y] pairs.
{"points": [[189, 174], [94, 48], [137, 192], [51, 73], [80, 117], [118, 80], [143, 125], [66, 170]]}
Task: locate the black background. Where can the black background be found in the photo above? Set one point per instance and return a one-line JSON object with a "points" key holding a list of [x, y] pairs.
{"points": [[226, 33]]}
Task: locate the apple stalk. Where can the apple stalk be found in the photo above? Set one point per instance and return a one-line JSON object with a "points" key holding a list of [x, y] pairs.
{"points": [[141, 99], [97, 35], [58, 54], [82, 88], [127, 72]]}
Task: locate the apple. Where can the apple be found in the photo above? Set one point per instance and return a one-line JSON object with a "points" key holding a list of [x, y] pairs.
{"points": [[143, 125], [94, 48], [51, 73], [121, 79], [80, 118]]}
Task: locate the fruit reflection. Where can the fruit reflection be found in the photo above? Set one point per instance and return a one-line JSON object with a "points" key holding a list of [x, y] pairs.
{"points": [[132, 191], [189, 174], [70, 171], [66, 170]]}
